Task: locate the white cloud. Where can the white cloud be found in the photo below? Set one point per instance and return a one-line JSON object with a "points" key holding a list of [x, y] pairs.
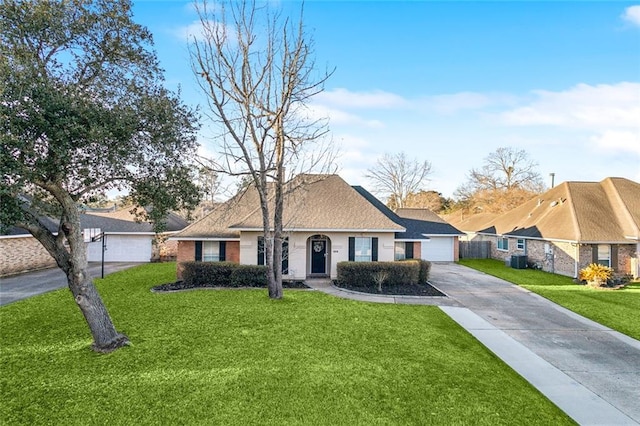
{"points": [[624, 141], [632, 15], [199, 30], [340, 117], [583, 107], [453, 103], [343, 98]]}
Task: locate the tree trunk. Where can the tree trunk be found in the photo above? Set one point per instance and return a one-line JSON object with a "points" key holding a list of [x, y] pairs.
{"points": [[105, 337], [73, 261]]}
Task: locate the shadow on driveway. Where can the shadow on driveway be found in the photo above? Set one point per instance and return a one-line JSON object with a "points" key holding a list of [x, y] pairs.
{"points": [[22, 286]]}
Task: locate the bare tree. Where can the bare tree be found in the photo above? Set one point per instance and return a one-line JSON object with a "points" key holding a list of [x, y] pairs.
{"points": [[256, 68], [507, 178], [396, 176]]}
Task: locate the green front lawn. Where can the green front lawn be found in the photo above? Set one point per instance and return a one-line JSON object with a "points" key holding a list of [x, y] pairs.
{"points": [[236, 357], [617, 309]]}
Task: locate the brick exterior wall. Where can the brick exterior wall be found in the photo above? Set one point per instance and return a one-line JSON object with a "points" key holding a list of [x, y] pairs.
{"points": [[186, 252], [23, 254], [233, 251], [562, 260], [456, 249], [417, 249]]}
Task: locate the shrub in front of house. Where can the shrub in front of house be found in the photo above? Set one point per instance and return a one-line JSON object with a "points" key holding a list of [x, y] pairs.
{"points": [[596, 275], [249, 276], [424, 269], [369, 274], [208, 274]]}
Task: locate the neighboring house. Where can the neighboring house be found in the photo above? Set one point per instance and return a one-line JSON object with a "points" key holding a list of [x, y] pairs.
{"points": [[126, 241], [20, 252], [571, 226], [325, 220], [129, 240]]}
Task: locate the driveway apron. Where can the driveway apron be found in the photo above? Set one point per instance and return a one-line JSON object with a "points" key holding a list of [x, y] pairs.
{"points": [[592, 370]]}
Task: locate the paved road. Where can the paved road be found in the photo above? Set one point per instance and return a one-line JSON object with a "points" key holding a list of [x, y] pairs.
{"points": [[581, 358], [29, 284]]}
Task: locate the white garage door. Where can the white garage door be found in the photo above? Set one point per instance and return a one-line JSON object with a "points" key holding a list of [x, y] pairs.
{"points": [[122, 248], [438, 249]]}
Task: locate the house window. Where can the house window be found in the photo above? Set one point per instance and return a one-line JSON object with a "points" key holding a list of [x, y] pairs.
{"points": [[210, 251], [285, 254], [363, 249], [503, 243], [520, 244], [604, 254]]}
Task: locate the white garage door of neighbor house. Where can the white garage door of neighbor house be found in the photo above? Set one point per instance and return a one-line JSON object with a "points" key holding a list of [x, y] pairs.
{"points": [[122, 248], [438, 249]]}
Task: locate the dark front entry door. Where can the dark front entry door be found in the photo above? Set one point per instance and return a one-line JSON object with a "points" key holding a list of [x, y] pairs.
{"points": [[318, 257]]}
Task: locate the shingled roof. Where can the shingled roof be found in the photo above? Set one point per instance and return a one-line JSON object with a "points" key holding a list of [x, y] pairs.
{"points": [[584, 212], [312, 202], [119, 221], [418, 223]]}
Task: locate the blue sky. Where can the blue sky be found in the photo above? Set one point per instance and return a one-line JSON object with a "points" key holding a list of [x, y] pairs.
{"points": [[449, 82]]}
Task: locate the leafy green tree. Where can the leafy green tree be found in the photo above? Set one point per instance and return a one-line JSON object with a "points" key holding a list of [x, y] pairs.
{"points": [[83, 111]]}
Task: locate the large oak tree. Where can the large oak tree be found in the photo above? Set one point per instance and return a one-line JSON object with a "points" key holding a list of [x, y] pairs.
{"points": [[83, 110]]}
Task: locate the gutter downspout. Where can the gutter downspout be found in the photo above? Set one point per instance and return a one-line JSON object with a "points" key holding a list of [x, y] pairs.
{"points": [[576, 257]]}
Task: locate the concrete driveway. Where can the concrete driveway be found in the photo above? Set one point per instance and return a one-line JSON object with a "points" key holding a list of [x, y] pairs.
{"points": [[600, 363], [18, 287]]}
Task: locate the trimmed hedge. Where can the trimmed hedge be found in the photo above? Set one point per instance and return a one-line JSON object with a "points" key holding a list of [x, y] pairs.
{"points": [[249, 276], [223, 274], [364, 274]]}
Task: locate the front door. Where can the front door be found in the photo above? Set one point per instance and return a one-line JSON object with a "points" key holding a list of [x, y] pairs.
{"points": [[318, 256]]}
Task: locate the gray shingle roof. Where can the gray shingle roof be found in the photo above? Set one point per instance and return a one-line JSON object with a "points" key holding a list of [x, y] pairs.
{"points": [[418, 223], [115, 222]]}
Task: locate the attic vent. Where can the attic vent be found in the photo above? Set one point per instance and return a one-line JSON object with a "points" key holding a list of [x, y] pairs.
{"points": [[539, 201], [553, 203]]}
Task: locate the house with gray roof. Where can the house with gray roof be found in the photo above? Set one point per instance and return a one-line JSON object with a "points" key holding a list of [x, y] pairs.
{"points": [[123, 238], [325, 220], [572, 225]]}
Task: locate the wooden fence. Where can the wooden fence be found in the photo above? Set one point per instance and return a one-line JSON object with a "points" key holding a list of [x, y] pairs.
{"points": [[475, 249]]}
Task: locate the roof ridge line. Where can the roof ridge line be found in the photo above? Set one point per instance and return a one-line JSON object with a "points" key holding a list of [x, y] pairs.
{"points": [[572, 211], [619, 202]]}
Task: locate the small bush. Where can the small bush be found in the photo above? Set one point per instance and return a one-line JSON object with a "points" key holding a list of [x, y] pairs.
{"points": [[249, 276], [596, 275], [425, 270]]}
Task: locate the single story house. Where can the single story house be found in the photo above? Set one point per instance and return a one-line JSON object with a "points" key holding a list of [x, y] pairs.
{"points": [[326, 221], [572, 225], [126, 241]]}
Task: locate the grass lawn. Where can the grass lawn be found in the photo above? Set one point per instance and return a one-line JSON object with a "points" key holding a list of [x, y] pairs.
{"points": [[236, 357], [617, 309]]}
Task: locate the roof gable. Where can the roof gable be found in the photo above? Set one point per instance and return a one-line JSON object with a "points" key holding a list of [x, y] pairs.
{"points": [[575, 211]]}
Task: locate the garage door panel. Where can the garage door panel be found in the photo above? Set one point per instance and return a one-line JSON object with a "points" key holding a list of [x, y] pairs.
{"points": [[121, 248], [438, 249]]}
